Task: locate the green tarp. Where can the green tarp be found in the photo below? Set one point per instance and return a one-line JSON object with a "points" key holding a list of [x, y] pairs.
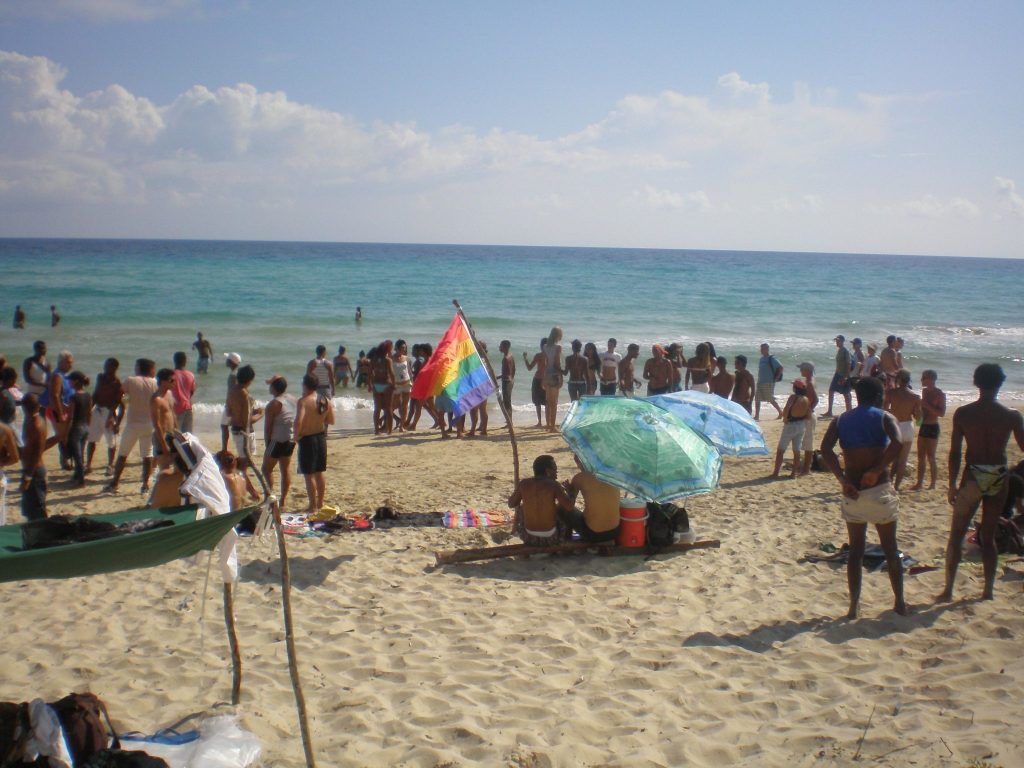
{"points": [[120, 553]]}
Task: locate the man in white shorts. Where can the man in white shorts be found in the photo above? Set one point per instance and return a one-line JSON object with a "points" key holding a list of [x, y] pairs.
{"points": [[870, 439], [807, 371], [108, 409], [137, 423], [232, 360]]}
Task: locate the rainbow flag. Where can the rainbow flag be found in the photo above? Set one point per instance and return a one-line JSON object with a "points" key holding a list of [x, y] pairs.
{"points": [[455, 372]]}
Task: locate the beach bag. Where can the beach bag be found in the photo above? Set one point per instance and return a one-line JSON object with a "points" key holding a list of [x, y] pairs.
{"points": [[85, 721], [663, 521], [119, 758], [15, 730]]}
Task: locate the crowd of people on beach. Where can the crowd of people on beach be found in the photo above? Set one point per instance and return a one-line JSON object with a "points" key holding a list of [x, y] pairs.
{"points": [[876, 436]]}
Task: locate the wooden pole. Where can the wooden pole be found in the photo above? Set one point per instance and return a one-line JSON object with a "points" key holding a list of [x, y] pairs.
{"points": [[494, 380], [236, 656], [516, 550], [289, 639]]}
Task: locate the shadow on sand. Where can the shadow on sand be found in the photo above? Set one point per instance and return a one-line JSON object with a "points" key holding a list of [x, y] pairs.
{"points": [[305, 571]]}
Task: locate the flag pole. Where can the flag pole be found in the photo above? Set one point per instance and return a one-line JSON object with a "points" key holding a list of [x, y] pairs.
{"points": [[494, 380]]}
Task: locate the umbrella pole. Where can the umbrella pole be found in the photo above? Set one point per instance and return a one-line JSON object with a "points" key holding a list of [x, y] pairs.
{"points": [[236, 657], [289, 639], [494, 381]]}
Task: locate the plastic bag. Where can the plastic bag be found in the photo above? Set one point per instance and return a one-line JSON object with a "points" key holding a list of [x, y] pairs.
{"points": [[222, 743]]}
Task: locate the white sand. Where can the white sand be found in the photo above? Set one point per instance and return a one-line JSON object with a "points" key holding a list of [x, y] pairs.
{"points": [[734, 656]]}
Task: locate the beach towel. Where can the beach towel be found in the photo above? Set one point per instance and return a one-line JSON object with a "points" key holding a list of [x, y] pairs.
{"points": [[472, 518]]}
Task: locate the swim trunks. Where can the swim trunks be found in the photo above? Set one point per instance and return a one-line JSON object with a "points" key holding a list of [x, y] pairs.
{"points": [[878, 506], [907, 431], [244, 442], [706, 388], [608, 388], [537, 394], [929, 431], [657, 391], [792, 432], [766, 392], [313, 454], [990, 478], [840, 384], [577, 389], [972, 490], [279, 449]]}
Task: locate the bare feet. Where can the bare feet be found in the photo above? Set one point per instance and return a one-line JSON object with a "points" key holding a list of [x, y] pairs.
{"points": [[946, 596], [852, 613], [901, 608], [916, 487], [987, 594]]}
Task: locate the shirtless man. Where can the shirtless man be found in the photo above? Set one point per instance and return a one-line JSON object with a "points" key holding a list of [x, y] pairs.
{"points": [[203, 353], [610, 360], [138, 425], [537, 394], [721, 383], [627, 374], [19, 317], [33, 481], [743, 388], [234, 482], [107, 410], [870, 440], [933, 408], [233, 361], [161, 410], [906, 407], [167, 482], [889, 362], [659, 372], [242, 415], [313, 415], [807, 371], [536, 501], [986, 425], [508, 374], [576, 369], [599, 520], [8, 457]]}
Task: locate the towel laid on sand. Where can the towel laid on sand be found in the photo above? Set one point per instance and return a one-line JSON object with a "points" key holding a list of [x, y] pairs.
{"points": [[472, 518]]}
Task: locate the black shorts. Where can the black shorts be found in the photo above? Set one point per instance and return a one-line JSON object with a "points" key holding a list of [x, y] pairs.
{"points": [[280, 450], [929, 431], [313, 454], [840, 384], [609, 387], [537, 393], [33, 500], [657, 391], [577, 389]]}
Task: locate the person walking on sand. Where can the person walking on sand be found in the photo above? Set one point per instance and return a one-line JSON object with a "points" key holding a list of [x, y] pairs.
{"points": [[769, 371], [537, 501], [610, 360], [278, 428], [138, 426], [537, 395], [986, 425], [841, 378], [313, 414], [795, 415], [811, 391], [108, 410], [183, 389], [19, 318], [870, 440], [906, 407], [933, 408], [33, 478], [203, 353], [743, 387], [576, 366], [508, 373]]}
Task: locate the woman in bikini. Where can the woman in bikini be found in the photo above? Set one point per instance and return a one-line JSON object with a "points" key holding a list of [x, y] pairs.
{"points": [[382, 376], [699, 368], [403, 382], [593, 367], [552, 376]]}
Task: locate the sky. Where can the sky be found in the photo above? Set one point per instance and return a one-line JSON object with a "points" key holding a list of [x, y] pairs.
{"points": [[874, 127]]}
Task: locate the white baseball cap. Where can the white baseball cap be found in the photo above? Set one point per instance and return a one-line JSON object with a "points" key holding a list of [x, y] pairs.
{"points": [[233, 357]]}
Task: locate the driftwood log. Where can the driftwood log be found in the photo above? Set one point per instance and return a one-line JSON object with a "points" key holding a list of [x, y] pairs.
{"points": [[452, 556]]}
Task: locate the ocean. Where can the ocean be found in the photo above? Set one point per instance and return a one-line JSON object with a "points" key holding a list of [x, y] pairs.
{"points": [[274, 302]]}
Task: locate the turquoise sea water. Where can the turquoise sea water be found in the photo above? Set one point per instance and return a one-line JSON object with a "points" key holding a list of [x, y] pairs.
{"points": [[274, 302]]}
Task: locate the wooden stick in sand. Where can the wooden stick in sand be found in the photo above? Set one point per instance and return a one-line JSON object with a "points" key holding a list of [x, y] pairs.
{"points": [[236, 656], [494, 381], [452, 556]]}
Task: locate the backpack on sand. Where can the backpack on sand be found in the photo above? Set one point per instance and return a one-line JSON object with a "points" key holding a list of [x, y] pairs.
{"points": [[663, 522]]}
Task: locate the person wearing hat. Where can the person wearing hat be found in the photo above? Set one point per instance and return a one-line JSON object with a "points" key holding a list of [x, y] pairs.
{"points": [[841, 378], [232, 360], [795, 415], [872, 364]]}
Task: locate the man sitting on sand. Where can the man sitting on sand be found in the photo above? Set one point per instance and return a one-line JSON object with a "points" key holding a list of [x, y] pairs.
{"points": [[599, 520], [536, 501], [870, 439], [986, 425]]}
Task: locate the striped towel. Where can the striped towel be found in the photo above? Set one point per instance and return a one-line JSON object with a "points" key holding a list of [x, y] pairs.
{"points": [[472, 518]]}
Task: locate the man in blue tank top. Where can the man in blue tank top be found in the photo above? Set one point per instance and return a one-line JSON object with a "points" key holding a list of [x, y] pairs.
{"points": [[870, 441]]}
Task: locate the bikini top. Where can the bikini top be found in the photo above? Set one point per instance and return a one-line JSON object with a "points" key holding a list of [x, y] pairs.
{"points": [[862, 428]]}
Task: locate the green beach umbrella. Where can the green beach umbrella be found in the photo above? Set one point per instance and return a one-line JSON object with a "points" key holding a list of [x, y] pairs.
{"points": [[641, 448]]}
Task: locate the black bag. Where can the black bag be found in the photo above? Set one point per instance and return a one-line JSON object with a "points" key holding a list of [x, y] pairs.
{"points": [[120, 758], [1009, 539], [663, 522]]}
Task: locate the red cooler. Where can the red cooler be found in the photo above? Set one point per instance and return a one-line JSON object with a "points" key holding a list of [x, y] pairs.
{"points": [[632, 523]]}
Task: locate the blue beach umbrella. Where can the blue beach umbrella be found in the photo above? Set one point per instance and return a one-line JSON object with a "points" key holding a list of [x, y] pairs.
{"points": [[641, 448], [726, 424]]}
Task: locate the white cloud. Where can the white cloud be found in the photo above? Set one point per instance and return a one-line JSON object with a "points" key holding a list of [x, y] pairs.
{"points": [[1010, 200], [930, 207], [737, 86], [802, 204], [679, 201]]}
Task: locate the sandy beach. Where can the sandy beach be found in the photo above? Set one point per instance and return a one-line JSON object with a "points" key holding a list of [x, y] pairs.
{"points": [[730, 656]]}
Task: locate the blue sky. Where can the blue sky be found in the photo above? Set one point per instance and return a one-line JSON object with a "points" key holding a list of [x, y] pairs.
{"points": [[882, 127]]}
